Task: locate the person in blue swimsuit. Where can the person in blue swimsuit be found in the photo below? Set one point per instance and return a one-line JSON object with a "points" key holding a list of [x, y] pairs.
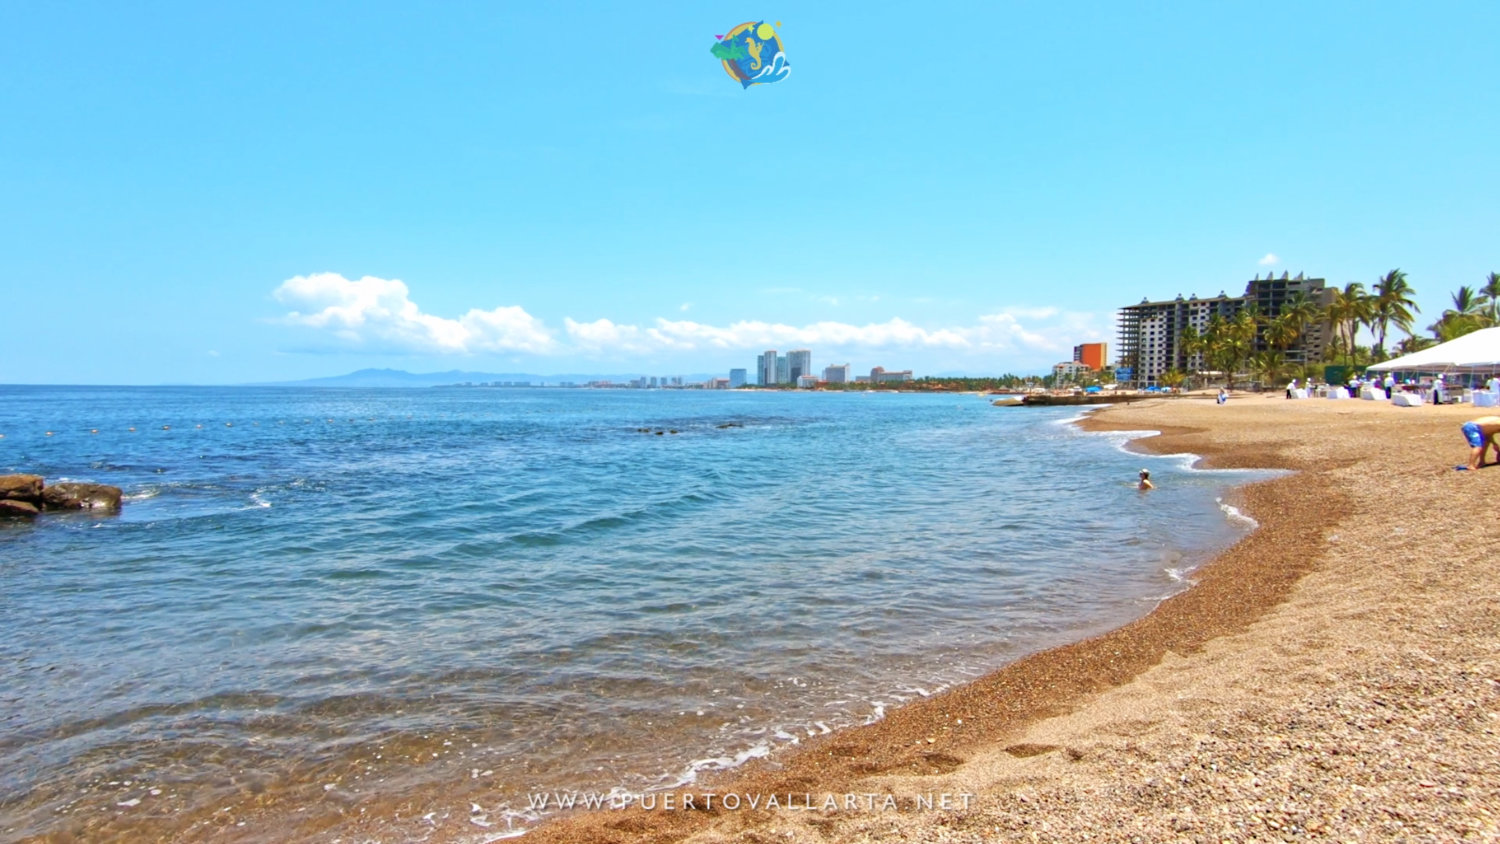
{"points": [[1481, 433]]}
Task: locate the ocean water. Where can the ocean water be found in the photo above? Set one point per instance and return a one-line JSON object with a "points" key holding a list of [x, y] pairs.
{"points": [[395, 612]]}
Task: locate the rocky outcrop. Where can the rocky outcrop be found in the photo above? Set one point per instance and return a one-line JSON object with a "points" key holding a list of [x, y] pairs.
{"points": [[75, 496], [25, 496], [26, 488], [21, 509]]}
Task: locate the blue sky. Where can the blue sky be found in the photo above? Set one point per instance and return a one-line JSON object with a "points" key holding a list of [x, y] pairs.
{"points": [[191, 194]]}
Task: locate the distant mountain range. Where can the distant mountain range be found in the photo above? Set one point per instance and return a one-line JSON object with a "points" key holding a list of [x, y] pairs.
{"points": [[400, 378]]}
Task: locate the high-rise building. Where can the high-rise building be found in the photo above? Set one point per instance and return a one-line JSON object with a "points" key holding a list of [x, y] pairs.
{"points": [[768, 368], [783, 370], [736, 378], [1272, 295], [799, 363], [1151, 332], [1093, 355], [837, 374]]}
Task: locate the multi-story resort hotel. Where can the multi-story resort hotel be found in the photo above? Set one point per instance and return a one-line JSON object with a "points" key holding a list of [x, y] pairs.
{"points": [[1151, 333]]}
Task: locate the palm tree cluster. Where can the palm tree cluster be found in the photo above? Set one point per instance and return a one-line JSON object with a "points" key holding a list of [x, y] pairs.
{"points": [[1229, 344], [1225, 344], [1472, 310]]}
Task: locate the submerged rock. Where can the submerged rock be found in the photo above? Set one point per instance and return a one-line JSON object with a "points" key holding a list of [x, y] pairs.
{"points": [[79, 496]]}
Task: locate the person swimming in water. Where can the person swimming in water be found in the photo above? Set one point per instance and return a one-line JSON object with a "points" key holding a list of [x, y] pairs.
{"points": [[1145, 480]]}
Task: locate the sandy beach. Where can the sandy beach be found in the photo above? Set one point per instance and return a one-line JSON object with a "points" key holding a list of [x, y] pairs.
{"points": [[1334, 675]]}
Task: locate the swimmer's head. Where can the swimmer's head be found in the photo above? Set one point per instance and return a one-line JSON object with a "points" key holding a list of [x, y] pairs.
{"points": [[1145, 473]]}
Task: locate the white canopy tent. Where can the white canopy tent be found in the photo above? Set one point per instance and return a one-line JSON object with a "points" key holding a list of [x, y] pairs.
{"points": [[1477, 351]]}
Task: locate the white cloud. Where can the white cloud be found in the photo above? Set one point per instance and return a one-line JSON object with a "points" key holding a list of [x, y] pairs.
{"points": [[1270, 260], [685, 306], [1032, 313], [377, 313], [603, 334]]}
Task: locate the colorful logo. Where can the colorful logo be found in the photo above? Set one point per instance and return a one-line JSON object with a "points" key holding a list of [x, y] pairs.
{"points": [[752, 54]]}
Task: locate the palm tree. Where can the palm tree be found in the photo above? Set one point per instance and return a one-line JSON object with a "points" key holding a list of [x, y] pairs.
{"points": [[1282, 331], [1466, 300], [1194, 344], [1466, 315], [1302, 310], [1240, 339], [1349, 309], [1491, 292], [1393, 304], [1269, 365], [1224, 345], [1414, 343]]}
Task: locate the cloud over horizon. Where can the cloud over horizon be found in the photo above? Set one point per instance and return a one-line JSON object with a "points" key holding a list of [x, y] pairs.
{"points": [[377, 312], [378, 315]]}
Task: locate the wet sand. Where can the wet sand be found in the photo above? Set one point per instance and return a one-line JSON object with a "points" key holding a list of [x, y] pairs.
{"points": [[1336, 675]]}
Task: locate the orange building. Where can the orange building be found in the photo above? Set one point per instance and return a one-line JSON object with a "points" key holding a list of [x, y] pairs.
{"points": [[1095, 355]]}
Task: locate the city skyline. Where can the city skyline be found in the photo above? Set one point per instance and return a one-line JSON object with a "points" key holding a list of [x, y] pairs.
{"points": [[321, 193]]}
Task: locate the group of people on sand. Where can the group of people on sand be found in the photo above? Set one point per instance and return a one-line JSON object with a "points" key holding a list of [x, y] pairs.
{"points": [[1389, 385]]}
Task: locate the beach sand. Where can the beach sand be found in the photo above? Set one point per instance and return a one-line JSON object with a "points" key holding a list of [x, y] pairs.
{"points": [[1334, 675]]}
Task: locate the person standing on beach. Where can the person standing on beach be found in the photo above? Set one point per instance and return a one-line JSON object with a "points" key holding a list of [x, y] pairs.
{"points": [[1482, 433], [1146, 484], [1437, 389]]}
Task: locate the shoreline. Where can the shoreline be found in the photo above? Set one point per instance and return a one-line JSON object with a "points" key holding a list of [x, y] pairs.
{"points": [[973, 738]]}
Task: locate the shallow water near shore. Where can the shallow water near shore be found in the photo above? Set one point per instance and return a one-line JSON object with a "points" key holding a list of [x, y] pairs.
{"points": [[330, 610]]}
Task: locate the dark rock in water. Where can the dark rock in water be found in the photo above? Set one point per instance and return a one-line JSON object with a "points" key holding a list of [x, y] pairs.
{"points": [[21, 488], [730, 425], [77, 496], [18, 509]]}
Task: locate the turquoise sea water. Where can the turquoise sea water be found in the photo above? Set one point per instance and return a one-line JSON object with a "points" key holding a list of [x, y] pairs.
{"points": [[329, 610]]}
